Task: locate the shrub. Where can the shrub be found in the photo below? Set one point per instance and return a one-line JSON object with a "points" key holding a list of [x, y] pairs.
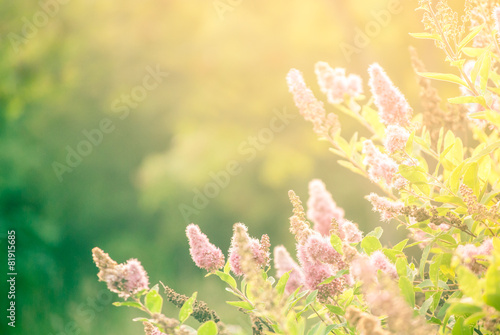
{"points": [[443, 189]]}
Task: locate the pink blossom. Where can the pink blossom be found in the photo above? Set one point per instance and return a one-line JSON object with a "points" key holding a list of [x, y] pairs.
{"points": [[322, 208], [310, 108], [319, 249], [380, 166], [354, 85], [136, 278], [381, 262], [316, 272], [361, 268], [349, 232], [205, 255], [419, 235], [469, 252], [259, 250], [283, 263], [391, 103], [388, 209], [335, 84], [395, 138]]}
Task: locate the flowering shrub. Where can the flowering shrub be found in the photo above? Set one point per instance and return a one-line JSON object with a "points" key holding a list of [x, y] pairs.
{"points": [[444, 191]]}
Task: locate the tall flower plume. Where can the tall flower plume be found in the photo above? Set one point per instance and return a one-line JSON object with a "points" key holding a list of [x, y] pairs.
{"points": [[205, 255], [260, 250], [322, 208], [283, 263], [126, 279], [391, 103], [310, 108]]}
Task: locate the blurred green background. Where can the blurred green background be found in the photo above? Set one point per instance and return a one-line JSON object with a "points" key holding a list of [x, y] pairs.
{"points": [[226, 63]]}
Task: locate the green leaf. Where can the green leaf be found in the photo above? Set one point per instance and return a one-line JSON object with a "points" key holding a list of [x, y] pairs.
{"points": [[471, 178], [208, 328], [370, 244], [492, 287], [350, 166], [377, 232], [339, 274], [187, 308], [336, 243], [281, 285], [452, 78], [311, 297], [473, 52], [423, 259], [227, 278], [469, 37], [128, 304], [469, 283], [485, 70], [425, 306], [141, 320], [471, 320], [154, 301], [417, 176], [344, 145], [335, 309], [227, 267], [467, 100], [401, 245], [450, 200], [462, 308], [240, 304], [407, 290]]}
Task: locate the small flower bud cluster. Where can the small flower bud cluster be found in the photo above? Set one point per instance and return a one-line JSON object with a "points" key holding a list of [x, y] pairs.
{"points": [[126, 279], [149, 329], [335, 84], [205, 255]]}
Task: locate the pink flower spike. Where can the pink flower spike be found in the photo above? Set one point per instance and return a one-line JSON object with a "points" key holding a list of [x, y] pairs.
{"points": [[283, 263], [351, 232], [136, 278], [322, 208], [395, 138], [388, 209], [319, 249], [204, 254], [260, 252], [310, 108], [380, 166], [391, 103]]}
